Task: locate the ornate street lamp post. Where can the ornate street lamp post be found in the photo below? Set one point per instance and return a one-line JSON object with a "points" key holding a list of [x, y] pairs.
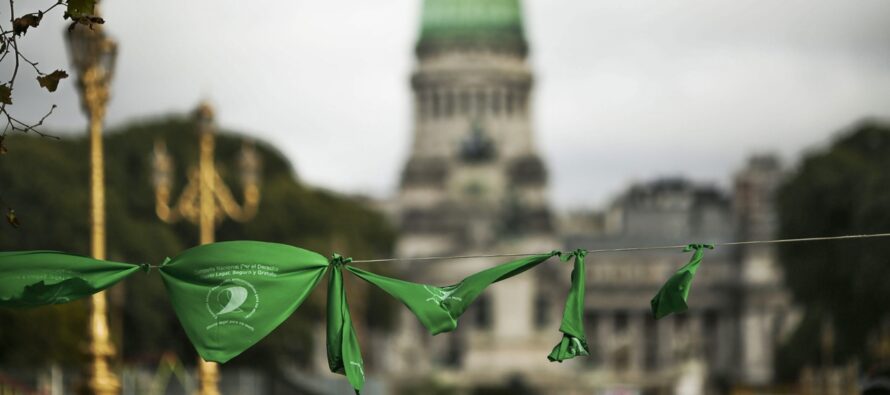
{"points": [[206, 201], [93, 56]]}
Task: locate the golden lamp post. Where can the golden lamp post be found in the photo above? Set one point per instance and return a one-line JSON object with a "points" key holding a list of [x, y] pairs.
{"points": [[206, 201], [93, 55]]}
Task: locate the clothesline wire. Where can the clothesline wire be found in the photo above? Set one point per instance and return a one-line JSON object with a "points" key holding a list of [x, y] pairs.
{"points": [[624, 249]]}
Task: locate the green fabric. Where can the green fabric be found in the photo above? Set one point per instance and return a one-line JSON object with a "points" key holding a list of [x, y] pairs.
{"points": [[35, 278], [344, 352], [471, 23], [573, 342], [470, 17], [229, 295], [672, 296], [438, 308]]}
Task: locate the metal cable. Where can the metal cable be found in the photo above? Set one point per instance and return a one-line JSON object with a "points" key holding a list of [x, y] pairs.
{"points": [[645, 248]]}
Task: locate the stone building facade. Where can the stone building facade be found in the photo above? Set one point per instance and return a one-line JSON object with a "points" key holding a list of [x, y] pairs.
{"points": [[738, 309], [475, 184]]}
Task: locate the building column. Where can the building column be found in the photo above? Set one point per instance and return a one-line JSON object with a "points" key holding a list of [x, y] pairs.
{"points": [[665, 329], [724, 338], [636, 331], [695, 330], [757, 361], [606, 338]]}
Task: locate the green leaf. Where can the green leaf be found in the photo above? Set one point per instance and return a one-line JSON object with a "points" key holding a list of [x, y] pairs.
{"points": [[51, 80], [5, 94], [11, 218], [21, 24]]}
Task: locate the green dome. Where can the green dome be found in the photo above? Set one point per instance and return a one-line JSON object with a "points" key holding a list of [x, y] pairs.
{"points": [[496, 24]]}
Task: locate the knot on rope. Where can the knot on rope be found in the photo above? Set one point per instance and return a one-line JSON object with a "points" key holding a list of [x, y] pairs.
{"points": [[692, 247], [145, 267], [578, 253], [338, 260]]}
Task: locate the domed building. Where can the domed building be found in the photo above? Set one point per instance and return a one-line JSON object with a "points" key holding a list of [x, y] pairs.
{"points": [[474, 183], [474, 176]]}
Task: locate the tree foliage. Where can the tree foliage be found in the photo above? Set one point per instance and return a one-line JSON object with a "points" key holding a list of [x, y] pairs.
{"points": [[13, 57], [843, 189], [52, 203]]}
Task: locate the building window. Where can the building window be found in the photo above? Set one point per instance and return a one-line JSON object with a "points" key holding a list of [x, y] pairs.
{"points": [[711, 325], [510, 102], [454, 354], [621, 359], [480, 103], [449, 104], [542, 311], [465, 102], [591, 325], [496, 102], [435, 104], [651, 350], [423, 104], [680, 323], [482, 316], [621, 322]]}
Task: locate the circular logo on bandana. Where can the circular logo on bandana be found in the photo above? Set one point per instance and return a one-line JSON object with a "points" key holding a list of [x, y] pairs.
{"points": [[233, 298]]}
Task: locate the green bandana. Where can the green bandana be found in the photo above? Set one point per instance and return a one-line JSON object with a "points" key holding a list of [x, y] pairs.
{"points": [[438, 308], [229, 295], [573, 343], [344, 352], [35, 278], [672, 296]]}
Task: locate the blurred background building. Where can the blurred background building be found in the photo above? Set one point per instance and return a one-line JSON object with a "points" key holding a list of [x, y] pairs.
{"points": [[739, 310], [474, 183]]}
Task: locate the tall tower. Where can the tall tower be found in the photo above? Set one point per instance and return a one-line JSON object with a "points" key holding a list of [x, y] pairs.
{"points": [[474, 183], [473, 177], [766, 307]]}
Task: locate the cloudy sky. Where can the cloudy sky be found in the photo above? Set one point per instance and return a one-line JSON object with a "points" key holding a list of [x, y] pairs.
{"points": [[626, 90]]}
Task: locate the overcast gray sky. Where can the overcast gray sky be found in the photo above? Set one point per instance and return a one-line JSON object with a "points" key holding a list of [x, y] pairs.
{"points": [[626, 90]]}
